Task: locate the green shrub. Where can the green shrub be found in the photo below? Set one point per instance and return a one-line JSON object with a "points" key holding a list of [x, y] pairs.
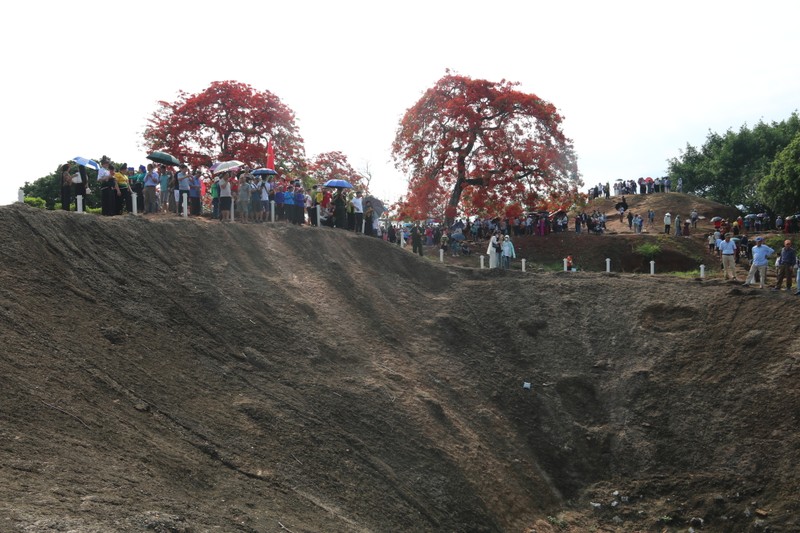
{"points": [[648, 249], [35, 202]]}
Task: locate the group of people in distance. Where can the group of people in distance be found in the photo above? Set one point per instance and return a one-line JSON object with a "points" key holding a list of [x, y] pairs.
{"points": [[158, 189], [638, 186]]}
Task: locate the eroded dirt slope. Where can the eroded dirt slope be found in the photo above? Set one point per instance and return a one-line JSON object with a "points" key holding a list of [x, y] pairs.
{"points": [[178, 375]]}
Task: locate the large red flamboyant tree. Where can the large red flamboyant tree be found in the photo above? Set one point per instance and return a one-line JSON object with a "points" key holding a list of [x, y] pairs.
{"points": [[486, 146], [229, 120], [335, 166]]}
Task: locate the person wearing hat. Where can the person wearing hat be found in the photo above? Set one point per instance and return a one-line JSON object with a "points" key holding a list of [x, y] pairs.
{"points": [[667, 223], [507, 253], [727, 249], [760, 254], [786, 262]]}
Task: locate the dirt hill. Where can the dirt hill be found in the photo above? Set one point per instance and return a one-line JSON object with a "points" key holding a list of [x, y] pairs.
{"points": [[176, 375]]}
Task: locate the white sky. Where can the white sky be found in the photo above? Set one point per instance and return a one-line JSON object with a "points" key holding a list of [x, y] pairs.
{"points": [[634, 80]]}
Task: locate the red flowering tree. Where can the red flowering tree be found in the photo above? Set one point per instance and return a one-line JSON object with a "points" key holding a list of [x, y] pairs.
{"points": [[335, 166], [487, 145], [229, 120]]}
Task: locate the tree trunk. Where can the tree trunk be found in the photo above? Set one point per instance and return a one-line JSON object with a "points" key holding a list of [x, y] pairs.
{"points": [[458, 188]]}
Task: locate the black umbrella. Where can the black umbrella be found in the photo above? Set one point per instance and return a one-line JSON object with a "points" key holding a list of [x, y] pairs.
{"points": [[163, 158], [263, 171], [377, 205]]}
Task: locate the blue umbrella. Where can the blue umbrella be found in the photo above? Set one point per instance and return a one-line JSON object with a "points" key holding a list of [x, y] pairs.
{"points": [[82, 161], [263, 171], [344, 184]]}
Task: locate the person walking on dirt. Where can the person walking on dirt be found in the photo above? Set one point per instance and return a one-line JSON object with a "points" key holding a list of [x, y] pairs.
{"points": [[727, 249], [416, 239], [760, 254], [786, 263], [667, 223], [694, 217]]}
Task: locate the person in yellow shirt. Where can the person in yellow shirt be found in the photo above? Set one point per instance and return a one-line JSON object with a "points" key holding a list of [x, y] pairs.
{"points": [[124, 198]]}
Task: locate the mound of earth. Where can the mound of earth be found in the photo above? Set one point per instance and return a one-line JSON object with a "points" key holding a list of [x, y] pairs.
{"points": [[162, 374]]}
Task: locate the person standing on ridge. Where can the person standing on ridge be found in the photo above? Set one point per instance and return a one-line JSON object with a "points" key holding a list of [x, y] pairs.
{"points": [[786, 263], [727, 249], [760, 254]]}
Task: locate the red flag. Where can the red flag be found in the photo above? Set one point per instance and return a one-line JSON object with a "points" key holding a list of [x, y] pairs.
{"points": [[270, 156]]}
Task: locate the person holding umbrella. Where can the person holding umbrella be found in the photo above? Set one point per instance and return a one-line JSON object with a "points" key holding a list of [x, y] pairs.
{"points": [[225, 197], [369, 215], [151, 180], [339, 209]]}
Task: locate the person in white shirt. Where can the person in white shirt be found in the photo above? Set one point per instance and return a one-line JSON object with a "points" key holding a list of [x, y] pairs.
{"points": [[760, 254], [358, 210], [727, 248]]}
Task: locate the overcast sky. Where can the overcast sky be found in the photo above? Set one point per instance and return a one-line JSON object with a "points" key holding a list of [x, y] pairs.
{"points": [[635, 81]]}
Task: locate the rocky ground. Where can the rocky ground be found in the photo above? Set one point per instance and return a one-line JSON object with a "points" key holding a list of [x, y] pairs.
{"points": [[171, 375]]}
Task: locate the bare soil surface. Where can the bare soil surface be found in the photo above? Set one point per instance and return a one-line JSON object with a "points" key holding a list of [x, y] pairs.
{"points": [[170, 375]]}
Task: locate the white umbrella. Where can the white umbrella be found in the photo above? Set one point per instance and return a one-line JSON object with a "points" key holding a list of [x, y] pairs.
{"points": [[227, 165]]}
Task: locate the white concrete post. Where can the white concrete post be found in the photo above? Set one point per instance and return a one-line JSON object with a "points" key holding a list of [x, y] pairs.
{"points": [[79, 201], [363, 225], [441, 255], [608, 264], [482, 257], [565, 264], [702, 271], [233, 217], [523, 265], [21, 196], [272, 210], [652, 267], [135, 196], [186, 205], [319, 216]]}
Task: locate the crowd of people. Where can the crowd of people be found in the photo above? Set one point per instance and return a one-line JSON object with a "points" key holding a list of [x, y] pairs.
{"points": [[239, 195], [255, 198], [638, 186]]}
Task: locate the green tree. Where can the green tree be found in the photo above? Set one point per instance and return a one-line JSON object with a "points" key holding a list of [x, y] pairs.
{"points": [[48, 188], [780, 189], [728, 168]]}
